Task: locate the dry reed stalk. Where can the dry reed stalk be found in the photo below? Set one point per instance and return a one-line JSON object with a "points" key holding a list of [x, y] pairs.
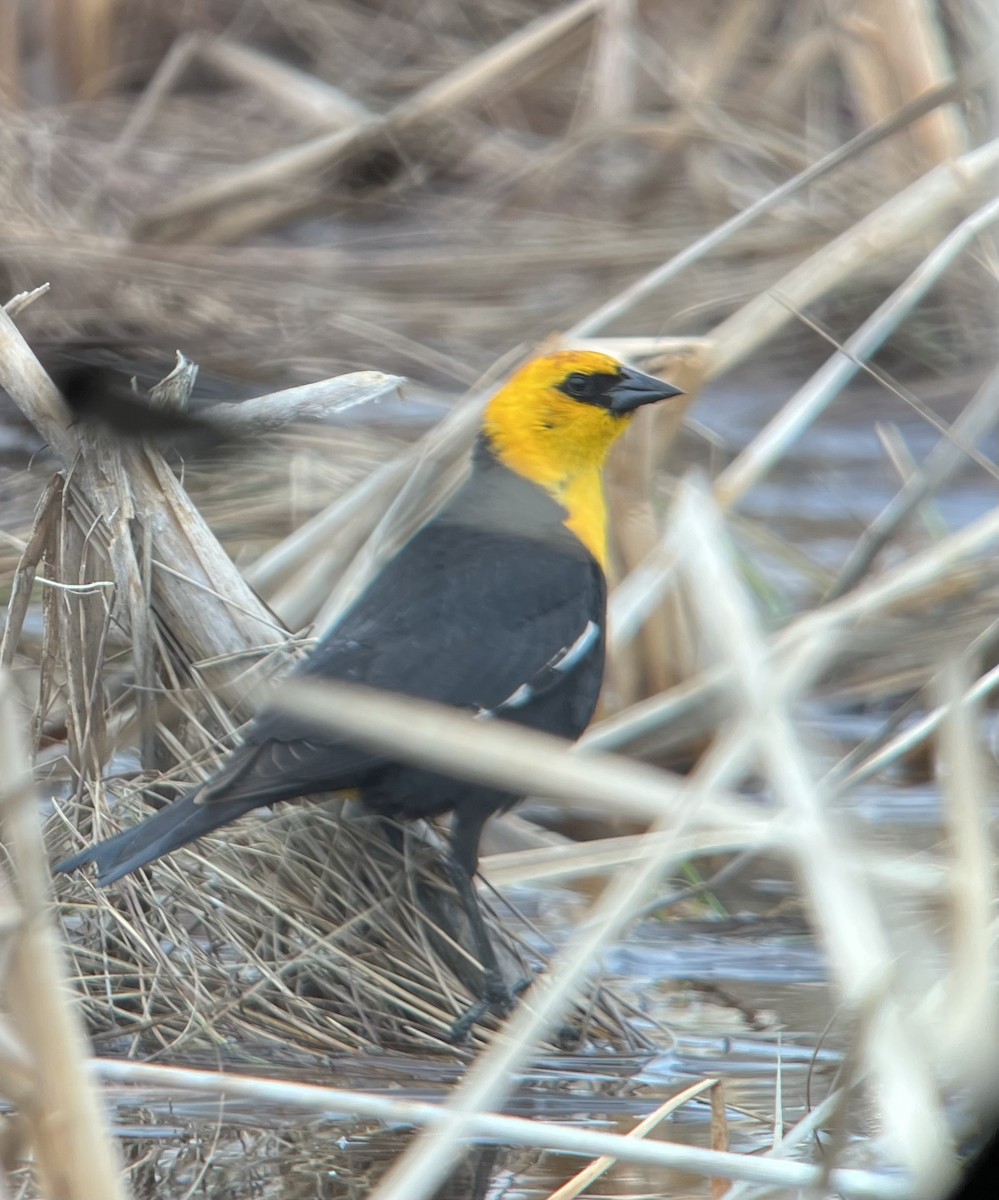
{"points": [[604, 855], [906, 38], [666, 272], [81, 613], [806, 1130], [17, 304], [10, 53], [967, 1048], [199, 595], [719, 1133], [42, 537], [905, 742], [637, 595], [309, 402], [581, 1181], [502, 755], [80, 40], [843, 907], [517, 1131], [894, 224], [627, 674], [250, 199], [612, 75], [873, 88], [808, 402], [659, 654], [16, 1079], [975, 420], [304, 95], [897, 452], [77, 1158], [917, 583]]}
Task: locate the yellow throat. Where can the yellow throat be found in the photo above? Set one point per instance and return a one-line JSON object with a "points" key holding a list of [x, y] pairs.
{"points": [[557, 441]]}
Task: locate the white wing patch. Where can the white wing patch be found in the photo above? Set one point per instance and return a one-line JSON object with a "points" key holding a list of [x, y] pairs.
{"points": [[553, 672]]}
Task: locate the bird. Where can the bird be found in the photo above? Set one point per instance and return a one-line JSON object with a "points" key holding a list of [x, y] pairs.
{"points": [[497, 605]]}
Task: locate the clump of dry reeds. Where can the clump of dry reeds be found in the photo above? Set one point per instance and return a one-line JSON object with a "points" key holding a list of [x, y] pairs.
{"points": [[547, 207]]}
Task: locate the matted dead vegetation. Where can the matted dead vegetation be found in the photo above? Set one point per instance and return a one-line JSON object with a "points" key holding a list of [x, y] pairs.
{"points": [[290, 192]]}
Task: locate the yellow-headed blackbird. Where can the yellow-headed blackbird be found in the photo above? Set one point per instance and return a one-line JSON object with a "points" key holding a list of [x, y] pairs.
{"points": [[497, 605]]}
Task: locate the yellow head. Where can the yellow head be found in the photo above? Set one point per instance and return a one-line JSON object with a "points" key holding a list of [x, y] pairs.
{"points": [[555, 422]]}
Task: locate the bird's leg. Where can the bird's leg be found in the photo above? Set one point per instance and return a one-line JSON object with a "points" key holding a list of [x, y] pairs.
{"points": [[494, 989], [462, 863]]}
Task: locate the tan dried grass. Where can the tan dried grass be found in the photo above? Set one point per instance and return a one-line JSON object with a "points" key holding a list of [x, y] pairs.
{"points": [[252, 943]]}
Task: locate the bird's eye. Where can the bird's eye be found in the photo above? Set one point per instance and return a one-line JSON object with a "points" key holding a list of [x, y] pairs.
{"points": [[577, 384]]}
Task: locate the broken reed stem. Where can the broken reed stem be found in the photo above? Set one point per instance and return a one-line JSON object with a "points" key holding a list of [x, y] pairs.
{"points": [[10, 58], [199, 594], [805, 1130], [719, 1132], [77, 1157], [310, 402]]}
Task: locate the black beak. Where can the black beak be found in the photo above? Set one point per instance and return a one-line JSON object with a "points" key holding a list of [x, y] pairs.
{"points": [[634, 389]]}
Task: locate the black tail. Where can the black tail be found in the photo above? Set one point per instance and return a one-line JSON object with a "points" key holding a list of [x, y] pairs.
{"points": [[166, 830]]}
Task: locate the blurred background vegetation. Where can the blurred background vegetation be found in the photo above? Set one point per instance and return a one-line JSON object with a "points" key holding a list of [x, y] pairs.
{"points": [[287, 190]]}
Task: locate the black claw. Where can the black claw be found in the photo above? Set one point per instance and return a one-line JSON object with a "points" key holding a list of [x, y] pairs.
{"points": [[568, 1037], [521, 986], [496, 998], [495, 992], [463, 1026]]}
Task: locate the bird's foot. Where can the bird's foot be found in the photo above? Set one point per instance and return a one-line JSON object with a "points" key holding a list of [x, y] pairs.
{"points": [[497, 997], [463, 1026]]}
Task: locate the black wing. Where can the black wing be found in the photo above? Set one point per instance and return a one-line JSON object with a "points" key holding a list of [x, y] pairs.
{"points": [[480, 620]]}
